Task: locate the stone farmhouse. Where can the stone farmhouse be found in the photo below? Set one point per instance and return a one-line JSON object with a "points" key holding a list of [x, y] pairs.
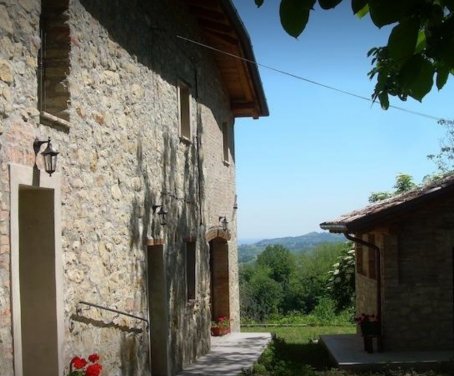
{"points": [[405, 266], [140, 215]]}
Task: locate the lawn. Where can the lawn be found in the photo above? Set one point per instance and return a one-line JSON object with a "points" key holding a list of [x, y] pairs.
{"points": [[295, 351], [296, 348]]}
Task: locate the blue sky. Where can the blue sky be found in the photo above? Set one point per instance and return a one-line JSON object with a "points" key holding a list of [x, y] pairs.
{"points": [[320, 153]]}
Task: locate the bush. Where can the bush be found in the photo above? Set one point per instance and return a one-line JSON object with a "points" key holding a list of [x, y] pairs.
{"points": [[341, 282]]}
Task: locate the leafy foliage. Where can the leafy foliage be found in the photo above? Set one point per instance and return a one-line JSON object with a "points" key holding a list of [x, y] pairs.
{"points": [[404, 183], [295, 244], [444, 160], [281, 283], [279, 262], [341, 283], [419, 47]]}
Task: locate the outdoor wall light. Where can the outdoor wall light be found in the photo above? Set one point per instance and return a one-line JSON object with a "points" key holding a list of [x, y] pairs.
{"points": [[235, 204], [161, 212], [49, 155], [224, 223]]}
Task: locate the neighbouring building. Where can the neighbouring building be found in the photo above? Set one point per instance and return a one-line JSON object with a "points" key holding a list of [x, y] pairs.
{"points": [[140, 216], [405, 265]]}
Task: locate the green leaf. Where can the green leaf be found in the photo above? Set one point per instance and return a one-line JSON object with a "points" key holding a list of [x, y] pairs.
{"points": [[402, 40], [358, 5], [416, 76], [385, 12], [361, 13], [259, 3], [442, 77], [328, 4], [294, 15], [384, 100], [421, 42], [446, 52]]}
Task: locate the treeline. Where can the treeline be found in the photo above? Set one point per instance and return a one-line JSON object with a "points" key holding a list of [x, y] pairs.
{"points": [[280, 283]]}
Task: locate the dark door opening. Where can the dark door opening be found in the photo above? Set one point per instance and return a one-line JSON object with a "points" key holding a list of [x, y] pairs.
{"points": [[37, 282], [219, 266]]}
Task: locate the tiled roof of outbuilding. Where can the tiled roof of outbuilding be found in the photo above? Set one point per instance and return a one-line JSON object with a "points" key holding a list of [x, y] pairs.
{"points": [[384, 211]]}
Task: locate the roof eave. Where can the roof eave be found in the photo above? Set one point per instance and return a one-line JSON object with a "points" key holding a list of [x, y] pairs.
{"points": [[337, 228], [248, 51]]}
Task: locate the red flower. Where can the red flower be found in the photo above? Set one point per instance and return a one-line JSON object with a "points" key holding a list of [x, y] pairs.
{"points": [[94, 370], [93, 358], [78, 362]]}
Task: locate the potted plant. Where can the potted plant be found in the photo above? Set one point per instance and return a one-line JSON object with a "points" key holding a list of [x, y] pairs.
{"points": [[81, 367], [220, 327]]}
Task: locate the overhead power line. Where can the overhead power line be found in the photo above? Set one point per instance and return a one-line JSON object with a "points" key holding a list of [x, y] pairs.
{"points": [[301, 78]]}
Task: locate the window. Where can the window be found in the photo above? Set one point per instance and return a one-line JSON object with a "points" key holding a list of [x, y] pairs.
{"points": [[372, 258], [53, 61], [226, 142], [359, 259], [184, 100], [190, 270]]}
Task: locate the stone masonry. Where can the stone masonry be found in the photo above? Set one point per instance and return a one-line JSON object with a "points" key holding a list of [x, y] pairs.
{"points": [[120, 154], [417, 279]]}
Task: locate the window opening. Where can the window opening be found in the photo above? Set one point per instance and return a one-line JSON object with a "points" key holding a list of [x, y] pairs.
{"points": [[372, 258], [190, 270], [184, 95], [226, 142], [53, 61]]}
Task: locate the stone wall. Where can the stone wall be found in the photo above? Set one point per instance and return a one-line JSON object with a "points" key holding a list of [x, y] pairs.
{"points": [[120, 155], [418, 280]]}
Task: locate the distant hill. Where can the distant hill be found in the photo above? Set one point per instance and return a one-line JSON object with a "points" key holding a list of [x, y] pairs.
{"points": [[248, 252]]}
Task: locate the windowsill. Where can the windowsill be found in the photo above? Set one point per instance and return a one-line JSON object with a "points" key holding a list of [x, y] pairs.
{"points": [[54, 121], [185, 140]]}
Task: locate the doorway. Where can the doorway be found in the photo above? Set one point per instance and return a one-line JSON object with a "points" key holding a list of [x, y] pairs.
{"points": [[36, 272], [220, 284], [37, 282], [158, 311]]}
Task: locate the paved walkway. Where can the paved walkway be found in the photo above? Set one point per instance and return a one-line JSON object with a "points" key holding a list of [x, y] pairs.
{"points": [[348, 353], [229, 355]]}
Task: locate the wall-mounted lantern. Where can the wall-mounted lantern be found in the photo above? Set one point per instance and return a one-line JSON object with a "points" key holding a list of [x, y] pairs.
{"points": [[49, 155], [161, 212], [224, 223], [235, 204]]}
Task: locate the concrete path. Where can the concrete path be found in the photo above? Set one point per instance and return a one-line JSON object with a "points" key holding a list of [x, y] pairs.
{"points": [[229, 355], [347, 351]]}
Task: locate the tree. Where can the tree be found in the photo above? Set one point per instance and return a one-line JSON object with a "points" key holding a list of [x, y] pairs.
{"points": [[261, 296], [419, 47], [404, 183], [444, 160], [280, 262]]}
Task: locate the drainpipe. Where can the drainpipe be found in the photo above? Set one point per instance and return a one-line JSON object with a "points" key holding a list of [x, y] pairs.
{"points": [[378, 272]]}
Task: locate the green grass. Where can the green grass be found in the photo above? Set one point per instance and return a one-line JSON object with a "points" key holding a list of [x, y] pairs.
{"points": [[295, 351], [302, 335]]}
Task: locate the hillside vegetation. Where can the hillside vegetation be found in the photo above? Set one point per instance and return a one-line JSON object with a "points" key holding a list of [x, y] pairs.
{"points": [[295, 244], [280, 283]]}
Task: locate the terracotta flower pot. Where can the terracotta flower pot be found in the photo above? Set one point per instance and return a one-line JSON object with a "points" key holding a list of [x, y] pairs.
{"points": [[217, 331]]}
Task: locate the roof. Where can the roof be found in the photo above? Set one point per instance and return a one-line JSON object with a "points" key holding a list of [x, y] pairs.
{"points": [[384, 211], [223, 29]]}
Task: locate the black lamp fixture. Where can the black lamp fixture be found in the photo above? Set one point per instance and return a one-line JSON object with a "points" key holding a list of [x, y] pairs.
{"points": [[49, 154], [161, 212], [235, 204], [224, 223]]}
